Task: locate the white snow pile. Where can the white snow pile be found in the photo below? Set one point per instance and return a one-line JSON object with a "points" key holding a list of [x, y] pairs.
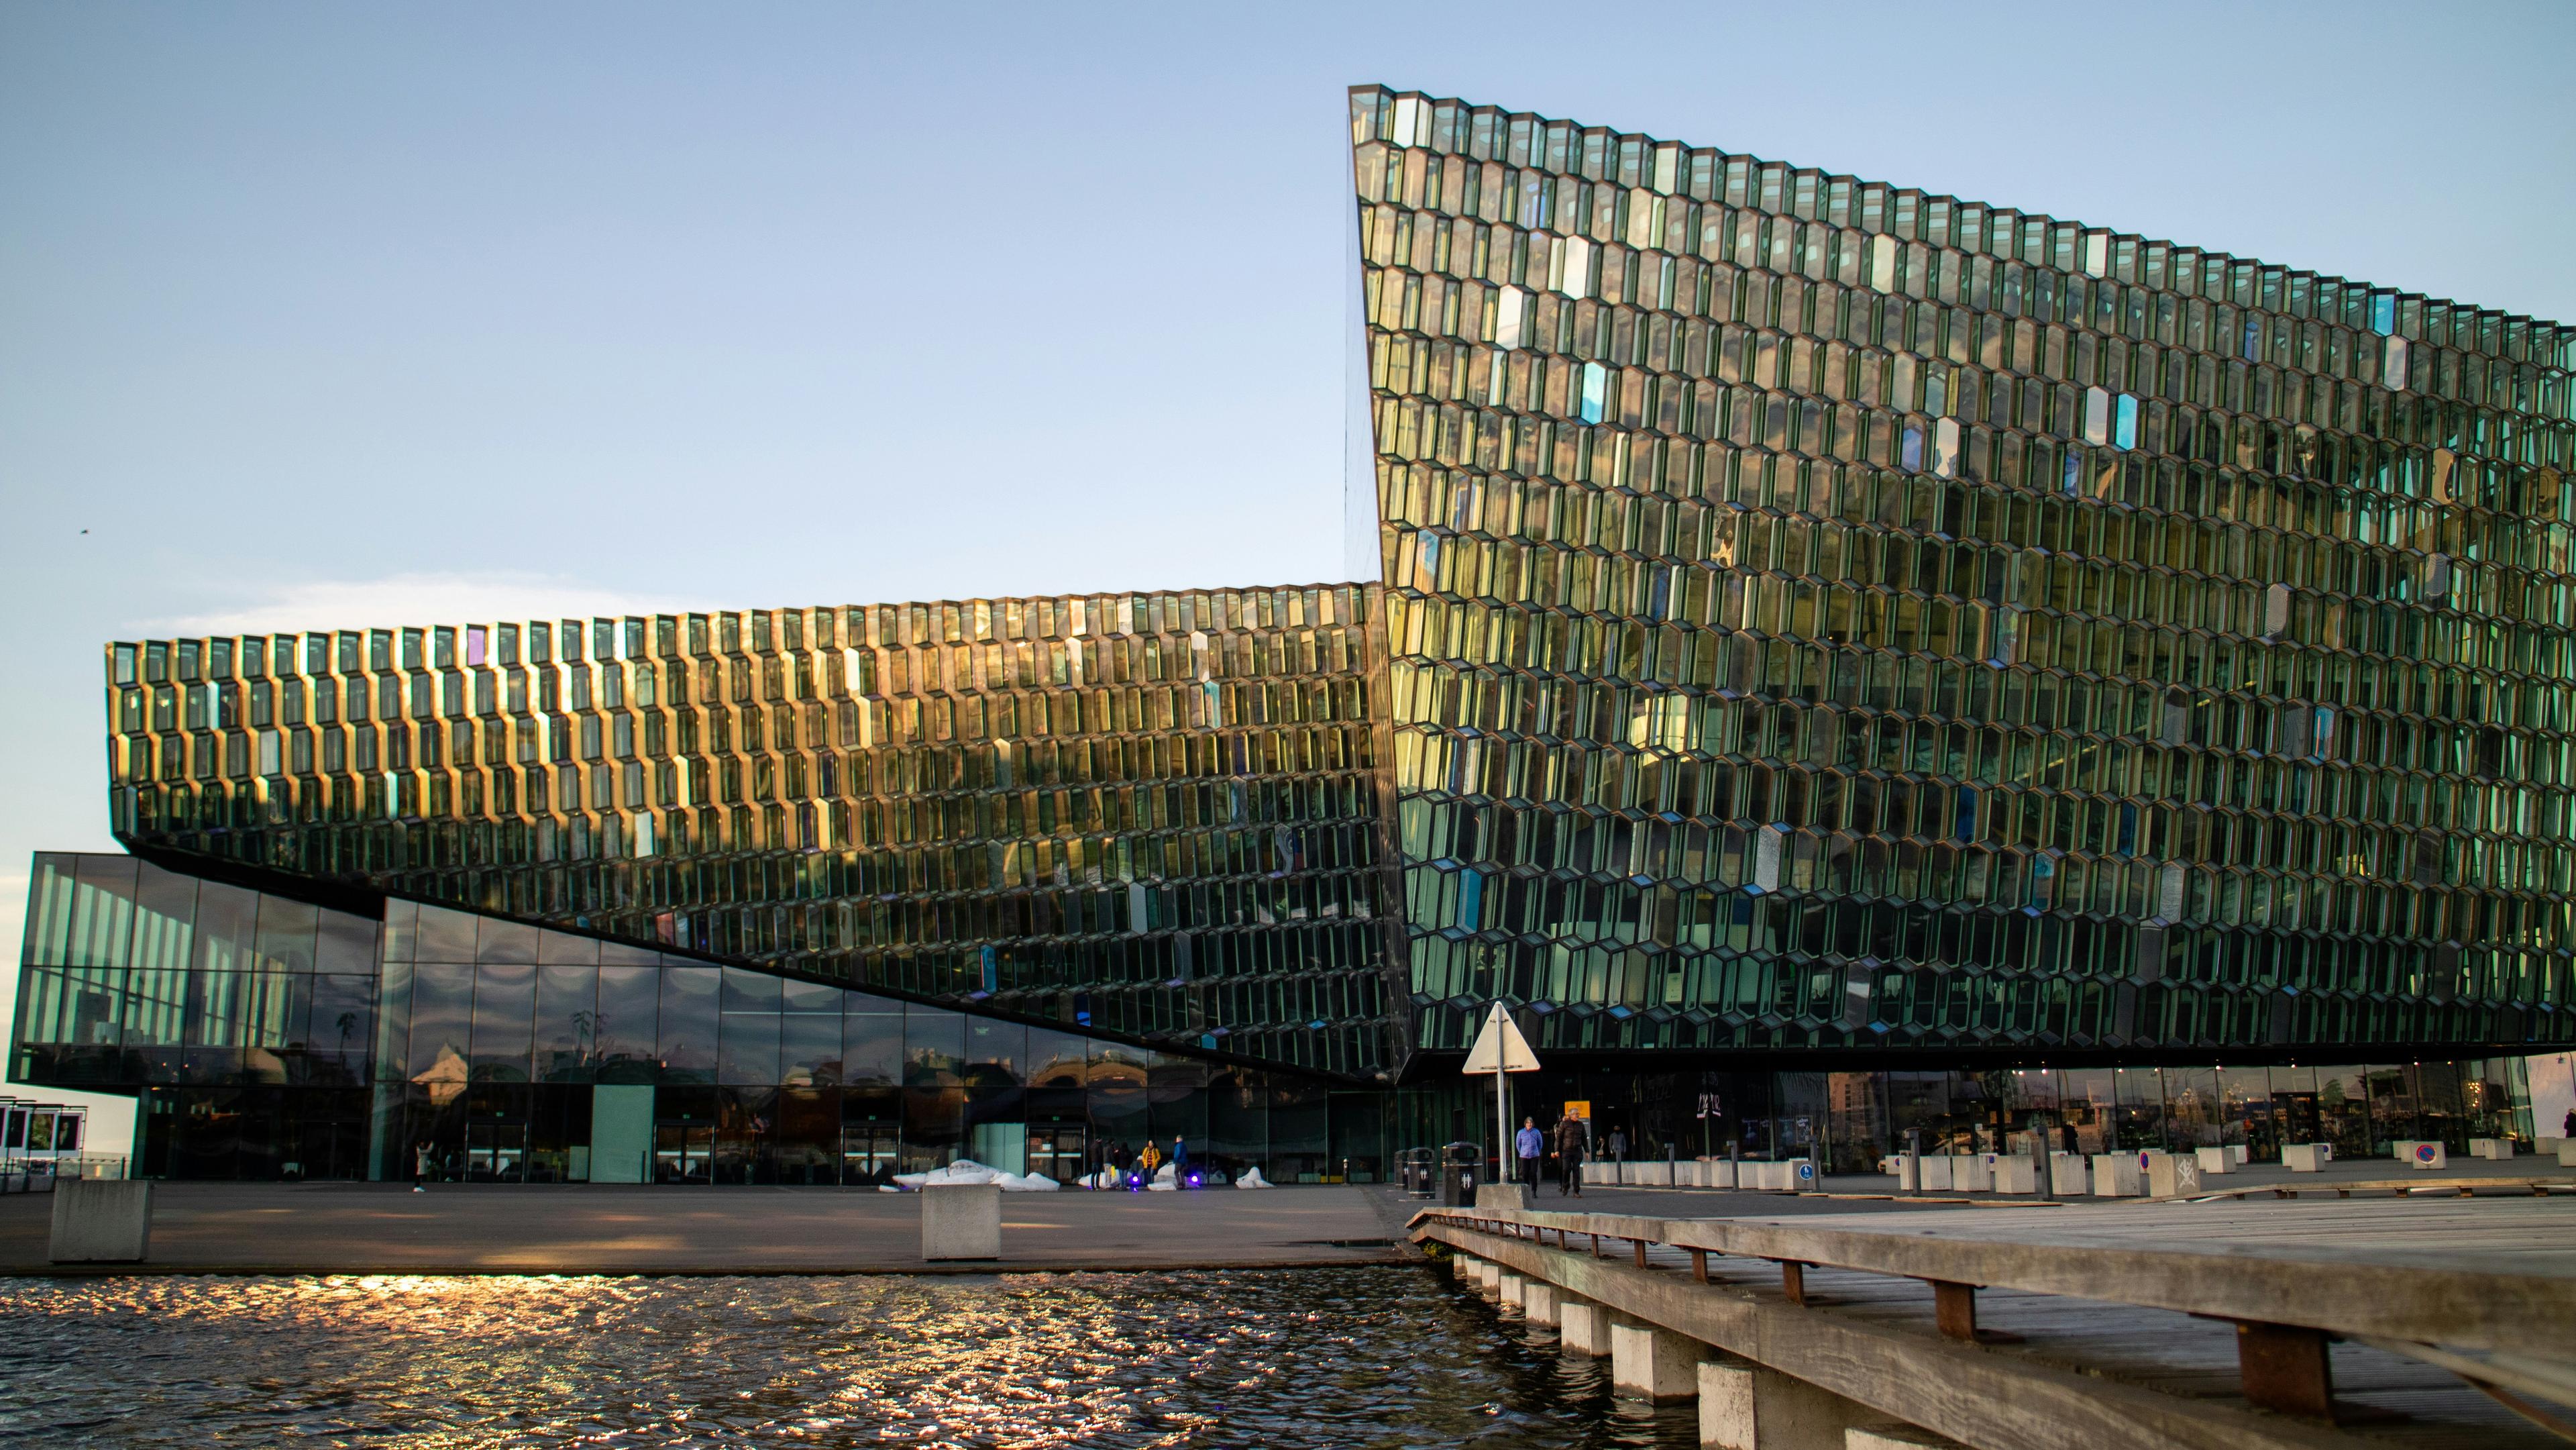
{"points": [[1252, 1179], [968, 1172]]}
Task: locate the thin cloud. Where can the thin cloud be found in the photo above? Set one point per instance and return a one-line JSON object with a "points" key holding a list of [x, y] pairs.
{"points": [[399, 600]]}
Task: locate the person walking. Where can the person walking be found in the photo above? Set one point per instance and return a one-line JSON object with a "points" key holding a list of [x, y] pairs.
{"points": [[1569, 1156], [1529, 1145], [1180, 1161], [1618, 1146], [2568, 1128], [419, 1165]]}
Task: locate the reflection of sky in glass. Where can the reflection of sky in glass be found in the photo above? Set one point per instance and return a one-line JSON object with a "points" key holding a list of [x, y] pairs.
{"points": [[1333, 1357]]}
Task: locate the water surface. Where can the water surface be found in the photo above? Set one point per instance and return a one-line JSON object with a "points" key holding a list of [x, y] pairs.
{"points": [[1279, 1360]]}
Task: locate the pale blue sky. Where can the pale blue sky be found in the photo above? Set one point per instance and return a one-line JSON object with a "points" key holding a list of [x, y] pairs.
{"points": [[319, 315]]}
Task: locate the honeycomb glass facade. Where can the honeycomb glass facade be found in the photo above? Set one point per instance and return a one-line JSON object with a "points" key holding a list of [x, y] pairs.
{"points": [[1154, 814], [1815, 632], [1825, 616]]}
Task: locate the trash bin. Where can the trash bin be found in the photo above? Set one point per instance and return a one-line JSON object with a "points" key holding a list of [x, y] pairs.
{"points": [[1418, 1170], [1459, 1163]]}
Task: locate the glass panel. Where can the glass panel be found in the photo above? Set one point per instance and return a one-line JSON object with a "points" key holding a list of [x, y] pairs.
{"points": [[442, 1014], [343, 943], [343, 1026], [445, 936], [624, 1033], [286, 932], [688, 1027], [505, 1005], [567, 1021], [872, 1042]]}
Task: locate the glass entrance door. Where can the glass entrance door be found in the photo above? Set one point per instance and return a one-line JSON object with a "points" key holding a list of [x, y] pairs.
{"points": [[495, 1152], [867, 1154], [681, 1152], [1061, 1151]]}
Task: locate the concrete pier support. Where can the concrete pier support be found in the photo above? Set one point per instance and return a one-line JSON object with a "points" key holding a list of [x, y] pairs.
{"points": [[1895, 1437], [1462, 1267], [1489, 1278], [1583, 1327], [1651, 1363], [1743, 1406], [1512, 1288], [1539, 1301]]}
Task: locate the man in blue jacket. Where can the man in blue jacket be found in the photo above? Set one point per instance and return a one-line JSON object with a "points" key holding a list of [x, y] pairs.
{"points": [[1530, 1145]]}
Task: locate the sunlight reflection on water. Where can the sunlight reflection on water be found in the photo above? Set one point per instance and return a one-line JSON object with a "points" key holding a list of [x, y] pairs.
{"points": [[1307, 1358]]}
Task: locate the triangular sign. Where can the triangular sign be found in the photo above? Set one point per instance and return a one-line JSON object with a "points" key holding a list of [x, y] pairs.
{"points": [[1500, 1047]]}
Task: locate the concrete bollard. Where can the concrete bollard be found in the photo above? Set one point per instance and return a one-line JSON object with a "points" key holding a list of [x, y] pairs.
{"points": [[2215, 1160], [1743, 1406], [2116, 1175], [1503, 1197], [1971, 1173], [2173, 1175], [1513, 1290], [961, 1221], [2423, 1154], [101, 1221], [2014, 1175], [2493, 1149], [1652, 1363], [2066, 1176], [1539, 1301], [1583, 1327], [2567, 1152]]}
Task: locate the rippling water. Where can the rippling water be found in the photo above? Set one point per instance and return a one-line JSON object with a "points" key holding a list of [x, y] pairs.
{"points": [[1313, 1357]]}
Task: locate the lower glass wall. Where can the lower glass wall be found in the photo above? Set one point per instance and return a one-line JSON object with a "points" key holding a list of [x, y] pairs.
{"points": [[1851, 1119]]}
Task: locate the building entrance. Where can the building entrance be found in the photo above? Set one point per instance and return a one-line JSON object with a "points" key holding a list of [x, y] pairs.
{"points": [[683, 1153], [495, 1152], [868, 1153], [1061, 1151]]}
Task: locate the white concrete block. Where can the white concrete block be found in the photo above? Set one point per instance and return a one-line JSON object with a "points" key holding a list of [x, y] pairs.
{"points": [[1804, 1176], [2066, 1175], [1514, 1290], [101, 1221], [2305, 1157], [2494, 1150], [1969, 1174], [1936, 1172], [2173, 1175], [1743, 1406], [1508, 1197], [961, 1221], [1718, 1173], [2567, 1152], [1652, 1363], [1489, 1278], [1583, 1327], [2244, 1153], [2427, 1156], [2546, 1146], [2215, 1160], [2015, 1175], [1539, 1302], [1655, 1175], [2116, 1175], [1599, 1172]]}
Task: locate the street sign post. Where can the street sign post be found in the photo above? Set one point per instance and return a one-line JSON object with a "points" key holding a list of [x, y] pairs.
{"points": [[1501, 1049]]}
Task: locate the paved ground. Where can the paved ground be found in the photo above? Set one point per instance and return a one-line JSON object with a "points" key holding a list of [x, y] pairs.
{"points": [[369, 1228], [592, 1229]]}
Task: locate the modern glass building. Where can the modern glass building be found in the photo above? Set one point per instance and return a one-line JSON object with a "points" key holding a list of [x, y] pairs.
{"points": [[1831, 657]]}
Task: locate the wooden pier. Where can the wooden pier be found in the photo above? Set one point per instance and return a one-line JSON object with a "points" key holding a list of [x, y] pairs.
{"points": [[2311, 1323]]}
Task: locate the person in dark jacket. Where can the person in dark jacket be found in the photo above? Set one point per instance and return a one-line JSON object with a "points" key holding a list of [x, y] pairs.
{"points": [[1571, 1140]]}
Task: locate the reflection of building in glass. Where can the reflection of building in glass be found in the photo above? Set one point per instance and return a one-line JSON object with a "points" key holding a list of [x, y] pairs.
{"points": [[1889, 662]]}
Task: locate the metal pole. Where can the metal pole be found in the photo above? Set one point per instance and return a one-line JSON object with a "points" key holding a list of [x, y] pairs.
{"points": [[1502, 1116]]}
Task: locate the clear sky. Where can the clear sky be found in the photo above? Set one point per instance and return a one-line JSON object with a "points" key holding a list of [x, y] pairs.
{"points": [[332, 315]]}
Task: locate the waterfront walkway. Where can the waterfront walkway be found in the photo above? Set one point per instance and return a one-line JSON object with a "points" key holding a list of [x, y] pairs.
{"points": [[2309, 1323], [598, 1229]]}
